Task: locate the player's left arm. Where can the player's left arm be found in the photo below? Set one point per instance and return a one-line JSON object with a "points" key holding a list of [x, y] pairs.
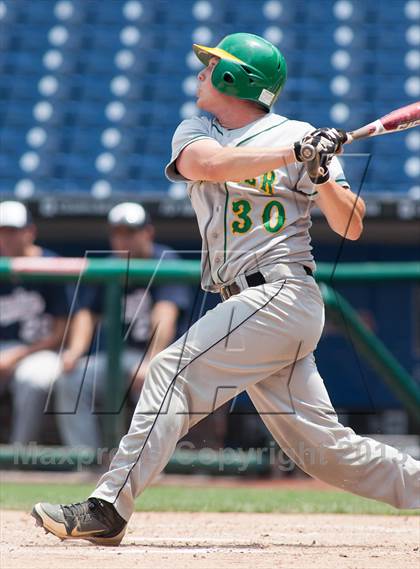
{"points": [[342, 208]]}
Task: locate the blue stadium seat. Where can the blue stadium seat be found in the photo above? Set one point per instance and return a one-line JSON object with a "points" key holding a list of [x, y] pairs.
{"points": [[150, 46], [7, 162], [16, 113], [76, 165], [7, 185], [393, 13], [12, 140]]}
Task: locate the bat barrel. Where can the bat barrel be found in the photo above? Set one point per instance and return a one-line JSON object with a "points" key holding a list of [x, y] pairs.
{"points": [[400, 119]]}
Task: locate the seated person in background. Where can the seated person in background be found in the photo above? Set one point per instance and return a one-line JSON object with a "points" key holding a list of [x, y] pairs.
{"points": [[147, 312], [33, 317]]}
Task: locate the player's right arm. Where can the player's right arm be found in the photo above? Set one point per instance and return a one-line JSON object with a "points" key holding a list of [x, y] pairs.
{"points": [[207, 160]]}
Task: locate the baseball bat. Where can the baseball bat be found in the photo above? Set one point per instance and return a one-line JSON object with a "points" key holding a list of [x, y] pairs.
{"points": [[400, 119]]}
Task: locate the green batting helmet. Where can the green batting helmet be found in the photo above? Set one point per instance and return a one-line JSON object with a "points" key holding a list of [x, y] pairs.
{"points": [[250, 68]]}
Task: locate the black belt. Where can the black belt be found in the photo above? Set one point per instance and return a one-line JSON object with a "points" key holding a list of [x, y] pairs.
{"points": [[254, 279]]}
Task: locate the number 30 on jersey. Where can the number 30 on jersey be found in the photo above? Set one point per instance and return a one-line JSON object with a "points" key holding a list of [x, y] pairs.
{"points": [[273, 216]]}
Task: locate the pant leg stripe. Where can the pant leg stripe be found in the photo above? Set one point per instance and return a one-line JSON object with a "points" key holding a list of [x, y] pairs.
{"points": [[183, 369]]}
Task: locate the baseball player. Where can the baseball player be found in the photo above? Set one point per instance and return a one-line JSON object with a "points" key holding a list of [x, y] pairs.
{"points": [[252, 195]]}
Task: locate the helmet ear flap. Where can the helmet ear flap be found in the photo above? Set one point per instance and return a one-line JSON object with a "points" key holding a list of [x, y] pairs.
{"points": [[238, 80], [228, 77]]}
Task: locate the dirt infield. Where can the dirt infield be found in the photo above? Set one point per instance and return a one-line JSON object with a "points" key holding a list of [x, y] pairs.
{"points": [[219, 541]]}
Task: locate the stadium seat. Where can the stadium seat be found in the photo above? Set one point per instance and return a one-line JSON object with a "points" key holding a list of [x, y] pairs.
{"points": [[73, 72]]}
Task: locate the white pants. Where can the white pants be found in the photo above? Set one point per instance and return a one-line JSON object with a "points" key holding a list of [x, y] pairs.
{"points": [[260, 340], [31, 383]]}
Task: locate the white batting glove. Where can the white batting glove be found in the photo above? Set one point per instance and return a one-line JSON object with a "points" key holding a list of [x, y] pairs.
{"points": [[320, 141]]}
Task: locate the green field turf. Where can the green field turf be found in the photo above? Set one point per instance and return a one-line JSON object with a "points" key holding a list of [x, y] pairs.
{"points": [[184, 499]]}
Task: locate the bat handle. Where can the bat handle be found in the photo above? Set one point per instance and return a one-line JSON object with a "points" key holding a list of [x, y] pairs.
{"points": [[308, 151]]}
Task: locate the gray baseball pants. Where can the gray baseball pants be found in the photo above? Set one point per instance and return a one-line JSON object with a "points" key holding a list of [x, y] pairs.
{"points": [[262, 341]]}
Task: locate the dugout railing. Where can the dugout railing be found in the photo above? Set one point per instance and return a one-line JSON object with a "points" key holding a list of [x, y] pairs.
{"points": [[113, 274]]}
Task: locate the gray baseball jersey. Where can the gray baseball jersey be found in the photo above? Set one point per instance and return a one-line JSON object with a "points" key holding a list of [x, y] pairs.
{"points": [[256, 222]]}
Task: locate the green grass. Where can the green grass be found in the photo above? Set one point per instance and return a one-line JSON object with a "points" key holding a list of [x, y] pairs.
{"points": [[184, 499]]}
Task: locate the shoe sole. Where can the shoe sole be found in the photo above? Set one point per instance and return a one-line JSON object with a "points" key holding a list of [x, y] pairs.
{"points": [[42, 519]]}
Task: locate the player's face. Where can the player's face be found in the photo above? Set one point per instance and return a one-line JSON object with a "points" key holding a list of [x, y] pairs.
{"points": [[207, 95], [14, 241], [138, 242]]}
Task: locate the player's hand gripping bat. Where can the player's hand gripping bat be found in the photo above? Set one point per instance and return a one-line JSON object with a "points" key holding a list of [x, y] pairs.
{"points": [[400, 119]]}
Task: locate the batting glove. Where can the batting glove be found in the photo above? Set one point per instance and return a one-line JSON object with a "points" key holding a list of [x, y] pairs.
{"points": [[317, 169], [322, 140]]}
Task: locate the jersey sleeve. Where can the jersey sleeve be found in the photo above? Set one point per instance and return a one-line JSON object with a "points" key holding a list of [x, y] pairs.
{"points": [[90, 297], [308, 188], [337, 172], [190, 130]]}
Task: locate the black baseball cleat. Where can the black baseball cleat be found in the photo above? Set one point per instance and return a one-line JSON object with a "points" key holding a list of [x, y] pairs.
{"points": [[95, 520]]}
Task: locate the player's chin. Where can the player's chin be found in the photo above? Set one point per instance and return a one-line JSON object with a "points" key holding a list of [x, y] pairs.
{"points": [[201, 104]]}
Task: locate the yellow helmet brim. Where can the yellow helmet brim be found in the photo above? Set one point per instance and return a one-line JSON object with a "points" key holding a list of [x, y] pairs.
{"points": [[205, 53]]}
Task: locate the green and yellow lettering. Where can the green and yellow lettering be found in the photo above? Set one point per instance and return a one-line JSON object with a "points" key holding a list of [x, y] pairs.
{"points": [[268, 179], [241, 208], [273, 216]]}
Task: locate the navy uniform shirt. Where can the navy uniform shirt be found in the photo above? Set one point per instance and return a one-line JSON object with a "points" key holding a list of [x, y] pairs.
{"points": [[137, 303], [28, 309]]}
